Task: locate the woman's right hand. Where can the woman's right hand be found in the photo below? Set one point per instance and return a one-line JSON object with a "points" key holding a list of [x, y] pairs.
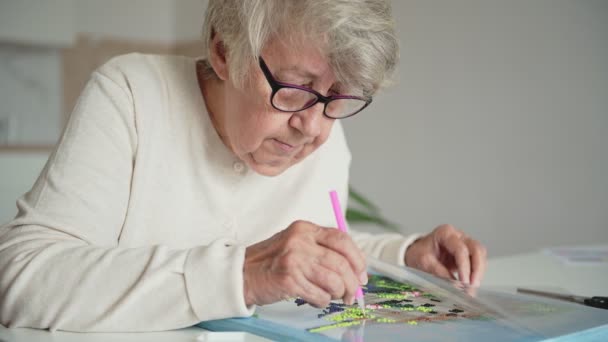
{"points": [[305, 260]]}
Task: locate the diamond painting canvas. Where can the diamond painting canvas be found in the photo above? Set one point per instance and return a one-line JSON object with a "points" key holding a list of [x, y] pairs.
{"points": [[405, 303]]}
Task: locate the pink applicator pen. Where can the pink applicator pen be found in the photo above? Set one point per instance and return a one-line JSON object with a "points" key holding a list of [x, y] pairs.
{"points": [[335, 203]]}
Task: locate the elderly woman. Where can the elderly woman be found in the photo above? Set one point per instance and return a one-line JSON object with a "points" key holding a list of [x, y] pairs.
{"points": [[186, 190]]}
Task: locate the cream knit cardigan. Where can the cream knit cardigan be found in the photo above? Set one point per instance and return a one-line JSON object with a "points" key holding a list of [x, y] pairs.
{"points": [[140, 219]]}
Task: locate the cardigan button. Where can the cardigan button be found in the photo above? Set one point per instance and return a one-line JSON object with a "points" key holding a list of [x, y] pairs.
{"points": [[238, 167]]}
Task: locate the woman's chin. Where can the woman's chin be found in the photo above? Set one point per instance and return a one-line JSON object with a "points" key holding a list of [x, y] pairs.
{"points": [[269, 169], [268, 166]]}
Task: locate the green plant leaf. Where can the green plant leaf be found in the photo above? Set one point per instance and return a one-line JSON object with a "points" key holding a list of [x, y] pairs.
{"points": [[361, 200], [356, 216]]}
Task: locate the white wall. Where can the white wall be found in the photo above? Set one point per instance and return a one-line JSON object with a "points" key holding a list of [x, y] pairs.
{"points": [[148, 20], [48, 23], [30, 94], [31, 33], [498, 124]]}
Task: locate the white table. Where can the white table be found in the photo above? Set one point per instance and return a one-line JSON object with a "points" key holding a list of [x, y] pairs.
{"points": [[541, 271], [533, 270]]}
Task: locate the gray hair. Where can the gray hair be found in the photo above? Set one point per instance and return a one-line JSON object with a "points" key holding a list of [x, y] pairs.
{"points": [[357, 36]]}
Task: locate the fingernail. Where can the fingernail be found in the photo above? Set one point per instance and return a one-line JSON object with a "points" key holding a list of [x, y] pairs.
{"points": [[363, 278]]}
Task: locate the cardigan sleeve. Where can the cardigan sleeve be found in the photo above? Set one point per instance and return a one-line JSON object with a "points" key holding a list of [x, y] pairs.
{"points": [[386, 247], [60, 263]]}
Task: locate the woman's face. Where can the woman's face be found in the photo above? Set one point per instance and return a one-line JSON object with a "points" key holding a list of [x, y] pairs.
{"points": [[267, 140]]}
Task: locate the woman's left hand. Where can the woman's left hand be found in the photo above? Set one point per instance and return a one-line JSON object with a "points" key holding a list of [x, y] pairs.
{"points": [[447, 250]]}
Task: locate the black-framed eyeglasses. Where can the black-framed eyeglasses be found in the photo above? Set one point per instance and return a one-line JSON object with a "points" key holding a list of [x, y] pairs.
{"points": [[293, 98]]}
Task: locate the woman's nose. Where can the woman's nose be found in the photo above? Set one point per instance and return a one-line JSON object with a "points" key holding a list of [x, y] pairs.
{"points": [[309, 121]]}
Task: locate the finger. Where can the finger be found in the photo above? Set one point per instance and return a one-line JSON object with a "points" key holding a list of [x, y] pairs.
{"points": [[310, 292], [327, 279], [336, 263], [344, 245], [471, 291], [432, 265], [478, 261], [460, 253]]}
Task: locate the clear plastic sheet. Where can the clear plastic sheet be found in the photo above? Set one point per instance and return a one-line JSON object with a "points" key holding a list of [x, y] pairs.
{"points": [[406, 303]]}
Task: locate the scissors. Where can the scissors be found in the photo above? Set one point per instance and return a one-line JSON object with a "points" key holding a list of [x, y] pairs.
{"points": [[595, 301]]}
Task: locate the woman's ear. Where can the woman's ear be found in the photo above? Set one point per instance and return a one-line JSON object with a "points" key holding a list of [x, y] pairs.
{"points": [[217, 57]]}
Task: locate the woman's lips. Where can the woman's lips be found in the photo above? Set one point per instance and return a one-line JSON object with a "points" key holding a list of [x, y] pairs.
{"points": [[283, 146]]}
